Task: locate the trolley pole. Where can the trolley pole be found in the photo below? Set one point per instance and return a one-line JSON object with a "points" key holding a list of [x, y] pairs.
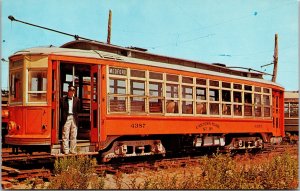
{"points": [[275, 59], [109, 27]]}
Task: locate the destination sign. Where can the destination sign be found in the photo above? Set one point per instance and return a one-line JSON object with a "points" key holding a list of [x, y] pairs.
{"points": [[118, 71]]}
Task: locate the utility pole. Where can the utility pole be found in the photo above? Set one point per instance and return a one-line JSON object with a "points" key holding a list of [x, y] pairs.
{"points": [[275, 59], [109, 27]]}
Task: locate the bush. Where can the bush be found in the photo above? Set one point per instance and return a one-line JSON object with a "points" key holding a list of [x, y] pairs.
{"points": [[75, 173], [225, 172]]}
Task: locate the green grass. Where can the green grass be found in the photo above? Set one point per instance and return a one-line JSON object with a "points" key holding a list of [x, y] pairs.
{"points": [[75, 173], [217, 172]]}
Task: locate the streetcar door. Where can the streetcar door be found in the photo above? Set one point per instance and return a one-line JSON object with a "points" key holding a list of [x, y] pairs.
{"points": [[276, 114], [95, 102], [55, 103]]}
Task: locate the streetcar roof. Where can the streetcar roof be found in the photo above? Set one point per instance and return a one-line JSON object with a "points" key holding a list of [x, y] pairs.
{"points": [[112, 56], [291, 94]]}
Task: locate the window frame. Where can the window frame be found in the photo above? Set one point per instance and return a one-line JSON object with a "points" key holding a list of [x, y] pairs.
{"points": [[43, 69], [161, 100]]}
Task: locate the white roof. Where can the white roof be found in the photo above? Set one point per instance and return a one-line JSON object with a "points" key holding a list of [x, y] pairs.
{"points": [[112, 56], [291, 94]]}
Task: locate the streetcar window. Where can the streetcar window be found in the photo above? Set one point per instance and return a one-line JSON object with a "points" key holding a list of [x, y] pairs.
{"points": [[69, 78], [200, 93], [155, 105], [155, 97], [37, 86], [248, 104], [257, 98], [117, 99], [117, 86], [248, 88], [226, 96], [187, 92], [117, 104], [214, 83], [155, 89], [257, 111], [286, 110], [187, 80], [155, 76], [237, 97], [16, 64], [200, 81], [172, 90], [266, 90], [267, 107], [226, 109], [172, 78], [257, 107], [226, 85], [214, 107], [137, 87], [237, 110], [213, 95], [237, 86], [172, 106], [294, 109], [137, 103], [267, 112], [248, 110], [137, 73], [201, 108], [237, 107], [266, 100], [187, 100], [248, 98], [37, 81], [187, 107], [16, 89], [257, 89]]}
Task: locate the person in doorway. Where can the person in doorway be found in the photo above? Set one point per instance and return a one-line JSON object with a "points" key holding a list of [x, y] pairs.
{"points": [[70, 108]]}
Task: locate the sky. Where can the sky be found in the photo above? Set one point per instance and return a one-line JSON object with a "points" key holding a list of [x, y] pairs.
{"points": [[233, 32]]}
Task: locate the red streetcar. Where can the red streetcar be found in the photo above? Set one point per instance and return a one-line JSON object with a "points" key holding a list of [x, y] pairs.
{"points": [[135, 103]]}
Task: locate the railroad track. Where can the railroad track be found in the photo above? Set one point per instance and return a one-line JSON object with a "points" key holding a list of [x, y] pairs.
{"points": [[128, 167]]}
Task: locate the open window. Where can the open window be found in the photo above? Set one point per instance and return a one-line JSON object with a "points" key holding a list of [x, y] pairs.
{"points": [[37, 85]]}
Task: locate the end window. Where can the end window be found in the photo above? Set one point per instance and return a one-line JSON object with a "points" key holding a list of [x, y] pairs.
{"points": [[37, 86]]}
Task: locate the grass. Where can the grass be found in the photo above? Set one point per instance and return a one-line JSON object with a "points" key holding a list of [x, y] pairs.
{"points": [[223, 172], [217, 172], [75, 173]]}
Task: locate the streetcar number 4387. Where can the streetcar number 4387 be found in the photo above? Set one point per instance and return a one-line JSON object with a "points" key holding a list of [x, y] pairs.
{"points": [[138, 125]]}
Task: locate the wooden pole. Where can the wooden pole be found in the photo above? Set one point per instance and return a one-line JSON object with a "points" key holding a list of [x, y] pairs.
{"points": [[109, 27], [275, 59]]}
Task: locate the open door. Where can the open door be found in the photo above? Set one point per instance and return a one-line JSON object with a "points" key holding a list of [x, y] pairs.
{"points": [[95, 103], [55, 103]]}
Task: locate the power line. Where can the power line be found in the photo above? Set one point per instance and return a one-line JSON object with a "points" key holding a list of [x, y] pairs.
{"points": [[10, 17]]}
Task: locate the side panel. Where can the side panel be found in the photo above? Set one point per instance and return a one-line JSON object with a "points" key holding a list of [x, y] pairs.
{"points": [[35, 117], [55, 102], [141, 125], [103, 104], [95, 100]]}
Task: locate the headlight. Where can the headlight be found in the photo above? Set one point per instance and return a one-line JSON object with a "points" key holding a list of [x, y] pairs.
{"points": [[12, 126], [5, 113]]}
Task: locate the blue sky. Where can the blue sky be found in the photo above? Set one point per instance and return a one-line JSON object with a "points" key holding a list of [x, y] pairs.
{"points": [[233, 32]]}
